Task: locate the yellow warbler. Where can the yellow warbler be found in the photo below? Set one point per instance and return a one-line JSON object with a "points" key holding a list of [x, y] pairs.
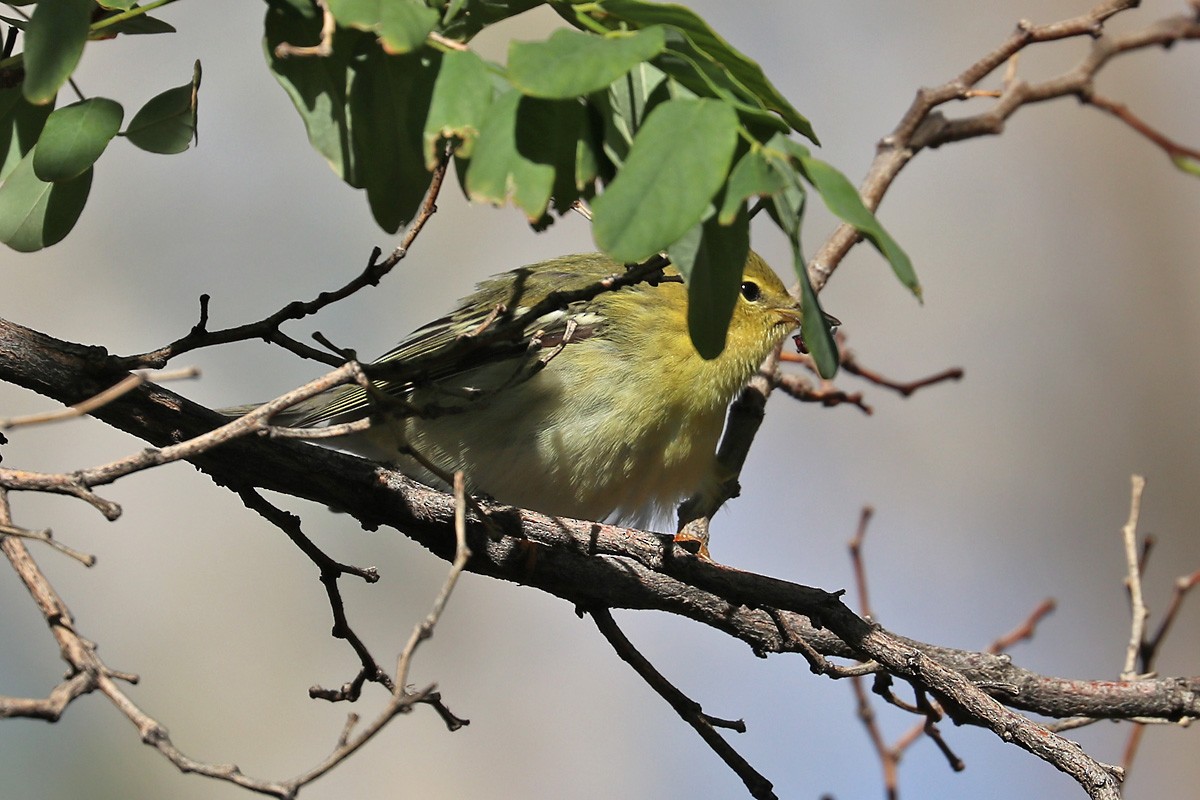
{"points": [[604, 410]]}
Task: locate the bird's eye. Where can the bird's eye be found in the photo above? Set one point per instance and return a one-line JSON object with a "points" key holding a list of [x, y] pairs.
{"points": [[751, 291]]}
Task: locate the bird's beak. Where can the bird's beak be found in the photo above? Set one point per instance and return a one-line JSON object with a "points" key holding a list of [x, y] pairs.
{"points": [[791, 314]]}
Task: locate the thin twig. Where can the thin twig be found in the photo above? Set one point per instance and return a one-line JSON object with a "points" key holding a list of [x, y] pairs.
{"points": [[126, 384], [402, 699], [330, 572], [324, 45], [79, 483], [923, 126], [1174, 150], [1133, 580], [1026, 629], [1182, 586], [859, 562], [688, 710], [46, 536], [268, 328]]}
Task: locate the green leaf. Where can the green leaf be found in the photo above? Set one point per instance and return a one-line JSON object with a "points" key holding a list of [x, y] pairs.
{"points": [[1186, 164], [786, 207], [137, 25], [462, 93], [843, 200], [21, 124], [623, 108], [167, 123], [711, 258], [702, 76], [121, 5], [75, 136], [401, 25], [54, 42], [366, 112], [528, 150], [589, 161], [388, 104], [745, 71], [571, 64], [678, 161], [404, 25], [465, 18], [813, 325], [317, 86], [568, 147], [361, 14], [35, 214], [753, 175]]}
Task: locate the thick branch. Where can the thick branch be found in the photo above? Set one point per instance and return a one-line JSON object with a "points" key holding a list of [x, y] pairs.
{"points": [[589, 564]]}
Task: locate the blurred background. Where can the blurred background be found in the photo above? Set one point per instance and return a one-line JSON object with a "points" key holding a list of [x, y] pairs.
{"points": [[1060, 270]]}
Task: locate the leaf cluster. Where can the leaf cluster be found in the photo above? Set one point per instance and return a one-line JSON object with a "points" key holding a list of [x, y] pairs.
{"points": [[46, 153], [641, 109]]}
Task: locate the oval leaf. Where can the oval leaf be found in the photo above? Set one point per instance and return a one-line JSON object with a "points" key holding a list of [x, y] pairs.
{"points": [[388, 103], [530, 149], [752, 176], [75, 136], [401, 25], [21, 124], [167, 123], [361, 14], [404, 25], [317, 86], [54, 42], [843, 200], [36, 214], [742, 69], [571, 64], [814, 326], [462, 93], [712, 261], [678, 161]]}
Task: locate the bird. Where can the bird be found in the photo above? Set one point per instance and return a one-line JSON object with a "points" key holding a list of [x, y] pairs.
{"points": [[600, 408]]}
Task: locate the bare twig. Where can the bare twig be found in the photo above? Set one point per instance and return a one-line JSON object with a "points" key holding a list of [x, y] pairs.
{"points": [[1174, 150], [689, 710], [1026, 629], [923, 126], [330, 572], [79, 483], [1133, 581], [128, 383], [46, 536], [828, 395], [851, 365], [323, 47], [90, 674], [859, 562], [402, 699], [1182, 586], [268, 328]]}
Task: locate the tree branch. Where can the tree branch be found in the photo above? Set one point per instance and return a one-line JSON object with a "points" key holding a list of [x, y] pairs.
{"points": [[923, 126], [596, 565]]}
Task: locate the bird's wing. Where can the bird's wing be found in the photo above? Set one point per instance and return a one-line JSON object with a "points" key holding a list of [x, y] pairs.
{"points": [[448, 350]]}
